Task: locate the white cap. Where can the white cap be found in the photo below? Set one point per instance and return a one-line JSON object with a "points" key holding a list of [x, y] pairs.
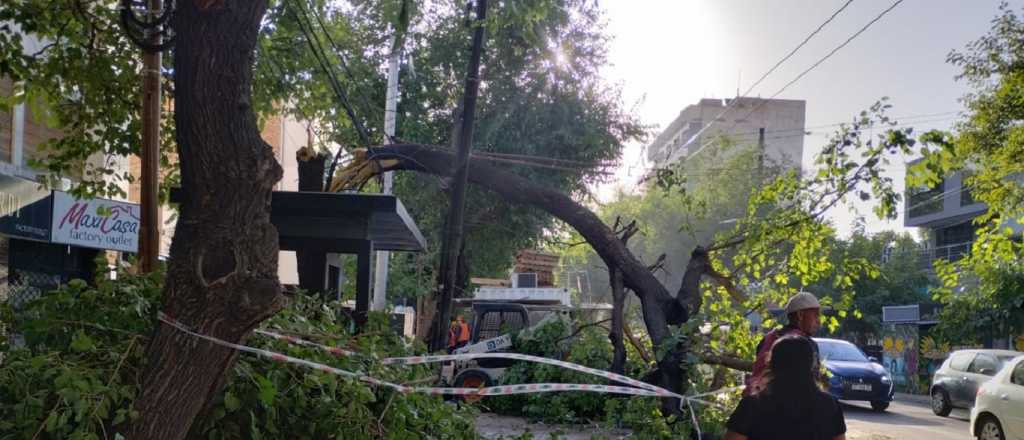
{"points": [[802, 301]]}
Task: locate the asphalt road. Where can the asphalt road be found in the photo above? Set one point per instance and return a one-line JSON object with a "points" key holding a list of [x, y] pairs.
{"points": [[910, 420]]}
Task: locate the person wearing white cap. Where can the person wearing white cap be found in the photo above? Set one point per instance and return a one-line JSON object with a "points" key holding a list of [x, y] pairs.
{"points": [[804, 314]]}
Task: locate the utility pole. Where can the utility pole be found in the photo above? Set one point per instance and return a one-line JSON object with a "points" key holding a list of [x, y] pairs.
{"points": [[380, 277], [460, 178], [149, 236]]}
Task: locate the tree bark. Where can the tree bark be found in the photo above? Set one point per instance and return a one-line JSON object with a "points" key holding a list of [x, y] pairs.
{"points": [[222, 277], [312, 263], [660, 308], [618, 319], [619, 303]]}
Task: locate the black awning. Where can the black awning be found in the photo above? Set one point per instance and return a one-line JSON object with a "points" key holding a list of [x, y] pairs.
{"points": [[338, 222]]}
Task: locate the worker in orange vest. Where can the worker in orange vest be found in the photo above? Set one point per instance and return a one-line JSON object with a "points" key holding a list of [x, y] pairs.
{"points": [[453, 335], [463, 334]]}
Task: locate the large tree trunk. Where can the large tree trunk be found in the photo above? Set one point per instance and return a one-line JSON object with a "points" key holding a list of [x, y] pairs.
{"points": [[222, 278], [312, 263], [660, 309]]}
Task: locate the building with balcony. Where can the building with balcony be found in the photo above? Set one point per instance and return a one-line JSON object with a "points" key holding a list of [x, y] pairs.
{"points": [[946, 213]]}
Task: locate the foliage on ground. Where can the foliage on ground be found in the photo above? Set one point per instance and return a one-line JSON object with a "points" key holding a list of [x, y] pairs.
{"points": [[79, 369], [590, 347]]}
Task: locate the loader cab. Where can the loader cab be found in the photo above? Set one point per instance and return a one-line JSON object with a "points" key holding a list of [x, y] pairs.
{"points": [[493, 319]]}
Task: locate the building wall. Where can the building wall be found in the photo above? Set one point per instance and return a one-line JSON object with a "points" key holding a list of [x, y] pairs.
{"points": [[782, 121]]}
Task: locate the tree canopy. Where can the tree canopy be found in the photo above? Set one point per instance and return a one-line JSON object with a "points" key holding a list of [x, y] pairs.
{"points": [[983, 292]]}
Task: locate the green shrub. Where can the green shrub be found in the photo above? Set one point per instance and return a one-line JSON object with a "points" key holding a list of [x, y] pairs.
{"points": [[78, 372]]}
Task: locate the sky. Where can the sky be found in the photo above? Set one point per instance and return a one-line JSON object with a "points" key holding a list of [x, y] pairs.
{"points": [[667, 54]]}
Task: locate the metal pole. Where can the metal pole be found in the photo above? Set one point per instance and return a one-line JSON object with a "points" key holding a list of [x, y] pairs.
{"points": [[460, 178], [149, 236], [380, 277]]}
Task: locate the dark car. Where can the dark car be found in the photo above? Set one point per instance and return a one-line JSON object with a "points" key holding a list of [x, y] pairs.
{"points": [[853, 375], [955, 384]]}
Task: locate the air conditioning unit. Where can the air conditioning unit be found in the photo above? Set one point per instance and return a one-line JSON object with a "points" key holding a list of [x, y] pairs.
{"points": [[524, 280]]}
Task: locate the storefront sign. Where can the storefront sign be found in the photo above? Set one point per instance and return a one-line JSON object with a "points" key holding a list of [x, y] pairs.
{"points": [[24, 209], [95, 223]]}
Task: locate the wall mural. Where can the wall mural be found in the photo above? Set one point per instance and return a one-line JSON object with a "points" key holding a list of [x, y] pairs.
{"points": [[900, 355], [932, 355]]}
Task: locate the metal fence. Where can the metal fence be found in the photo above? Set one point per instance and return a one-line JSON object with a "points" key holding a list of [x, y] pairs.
{"points": [[25, 286], [950, 253]]}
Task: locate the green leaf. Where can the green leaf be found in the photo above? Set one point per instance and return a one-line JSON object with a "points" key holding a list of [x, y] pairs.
{"points": [[267, 391], [231, 403], [82, 342]]}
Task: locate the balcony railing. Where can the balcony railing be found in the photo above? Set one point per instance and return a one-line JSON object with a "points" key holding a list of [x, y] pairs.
{"points": [[952, 252]]}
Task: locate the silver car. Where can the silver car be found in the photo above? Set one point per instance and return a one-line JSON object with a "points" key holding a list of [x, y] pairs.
{"points": [[956, 382]]}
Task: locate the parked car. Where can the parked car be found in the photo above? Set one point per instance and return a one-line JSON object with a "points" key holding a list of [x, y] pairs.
{"points": [[998, 412], [956, 382], [853, 375]]}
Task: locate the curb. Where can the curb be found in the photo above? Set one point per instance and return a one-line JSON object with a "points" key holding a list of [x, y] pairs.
{"points": [[913, 398]]}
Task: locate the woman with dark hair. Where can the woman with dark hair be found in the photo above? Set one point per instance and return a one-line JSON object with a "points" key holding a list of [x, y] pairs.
{"points": [[791, 405]]}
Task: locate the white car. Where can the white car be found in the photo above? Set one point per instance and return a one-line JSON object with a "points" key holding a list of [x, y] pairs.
{"points": [[998, 412]]}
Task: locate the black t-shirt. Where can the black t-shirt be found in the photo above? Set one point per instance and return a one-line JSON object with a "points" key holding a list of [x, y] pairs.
{"points": [[758, 418]]}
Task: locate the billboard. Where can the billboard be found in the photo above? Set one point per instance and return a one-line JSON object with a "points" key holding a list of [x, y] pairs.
{"points": [[95, 223]]}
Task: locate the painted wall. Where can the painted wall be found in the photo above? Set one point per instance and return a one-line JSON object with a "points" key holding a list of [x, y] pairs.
{"points": [[900, 354]]}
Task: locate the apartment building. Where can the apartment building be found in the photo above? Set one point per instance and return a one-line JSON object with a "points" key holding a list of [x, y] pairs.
{"points": [[774, 125]]}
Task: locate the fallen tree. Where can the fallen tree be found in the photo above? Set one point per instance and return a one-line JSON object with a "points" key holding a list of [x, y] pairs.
{"points": [[660, 308], [786, 207]]}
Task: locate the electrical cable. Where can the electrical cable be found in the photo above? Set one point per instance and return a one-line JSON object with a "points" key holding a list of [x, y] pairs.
{"points": [[819, 62], [729, 106], [318, 52]]}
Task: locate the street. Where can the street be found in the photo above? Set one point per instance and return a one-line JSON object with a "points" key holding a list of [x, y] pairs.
{"points": [[908, 418], [905, 419]]}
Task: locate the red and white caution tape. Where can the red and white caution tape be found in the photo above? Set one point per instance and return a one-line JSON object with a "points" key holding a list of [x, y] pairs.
{"points": [[639, 388], [418, 360]]}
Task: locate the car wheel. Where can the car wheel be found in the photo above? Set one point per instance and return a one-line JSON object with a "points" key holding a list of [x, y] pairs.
{"points": [[990, 429], [879, 405], [472, 379], [940, 402]]}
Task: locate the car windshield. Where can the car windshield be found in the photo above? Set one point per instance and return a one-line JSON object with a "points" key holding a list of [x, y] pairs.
{"points": [[840, 351]]}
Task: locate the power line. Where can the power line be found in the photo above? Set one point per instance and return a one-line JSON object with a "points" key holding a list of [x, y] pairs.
{"points": [[903, 120], [729, 106], [941, 195], [318, 52], [341, 59], [816, 64], [839, 47], [802, 43], [794, 133]]}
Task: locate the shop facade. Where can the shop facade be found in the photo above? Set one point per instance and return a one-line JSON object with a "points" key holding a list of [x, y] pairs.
{"points": [[48, 238]]}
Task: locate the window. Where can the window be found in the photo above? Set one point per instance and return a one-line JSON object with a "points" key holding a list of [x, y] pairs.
{"points": [[1018, 374], [496, 323], [924, 201], [984, 364], [960, 361], [966, 197]]}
